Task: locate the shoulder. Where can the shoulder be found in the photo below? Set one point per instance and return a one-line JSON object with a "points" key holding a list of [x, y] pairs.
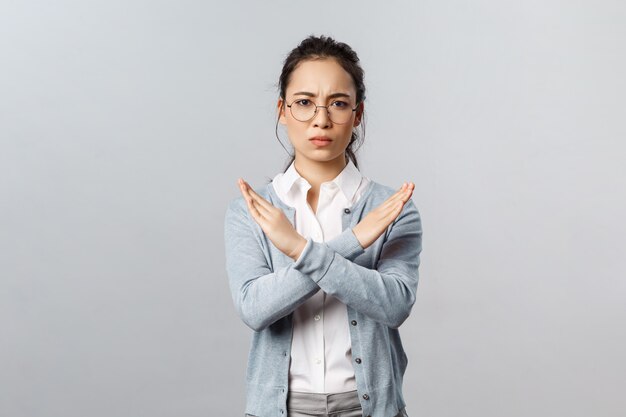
{"points": [[380, 192]]}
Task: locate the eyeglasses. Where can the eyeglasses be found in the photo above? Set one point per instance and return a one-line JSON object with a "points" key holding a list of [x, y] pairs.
{"points": [[303, 110]]}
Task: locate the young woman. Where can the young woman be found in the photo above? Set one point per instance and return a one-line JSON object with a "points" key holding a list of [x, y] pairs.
{"points": [[322, 261]]}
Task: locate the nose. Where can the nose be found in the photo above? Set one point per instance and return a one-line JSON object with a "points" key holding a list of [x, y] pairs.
{"points": [[321, 118]]}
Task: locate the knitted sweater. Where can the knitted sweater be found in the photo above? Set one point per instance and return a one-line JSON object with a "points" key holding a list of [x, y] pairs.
{"points": [[378, 285]]}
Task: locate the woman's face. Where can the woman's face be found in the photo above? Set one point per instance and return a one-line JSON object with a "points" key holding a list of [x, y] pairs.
{"points": [[324, 83]]}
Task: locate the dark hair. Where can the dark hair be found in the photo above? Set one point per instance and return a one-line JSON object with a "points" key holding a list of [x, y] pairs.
{"points": [[324, 47]]}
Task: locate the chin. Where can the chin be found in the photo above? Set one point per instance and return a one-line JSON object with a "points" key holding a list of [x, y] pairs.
{"points": [[322, 155]]}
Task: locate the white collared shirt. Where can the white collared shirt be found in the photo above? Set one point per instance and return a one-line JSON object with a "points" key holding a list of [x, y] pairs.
{"points": [[321, 350]]}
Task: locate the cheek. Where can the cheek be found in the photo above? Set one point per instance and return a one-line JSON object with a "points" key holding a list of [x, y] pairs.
{"points": [[296, 131], [296, 127], [347, 132]]}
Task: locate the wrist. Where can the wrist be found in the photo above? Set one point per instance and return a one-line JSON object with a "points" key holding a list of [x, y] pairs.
{"points": [[299, 247], [357, 233]]}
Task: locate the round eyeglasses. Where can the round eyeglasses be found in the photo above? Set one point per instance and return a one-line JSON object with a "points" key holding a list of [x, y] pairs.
{"points": [[303, 110]]}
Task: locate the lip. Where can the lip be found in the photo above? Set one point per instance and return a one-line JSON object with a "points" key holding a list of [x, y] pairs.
{"points": [[321, 140]]}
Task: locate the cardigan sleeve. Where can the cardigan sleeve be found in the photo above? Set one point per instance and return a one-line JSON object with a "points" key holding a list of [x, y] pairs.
{"points": [[261, 295], [346, 244], [386, 293]]}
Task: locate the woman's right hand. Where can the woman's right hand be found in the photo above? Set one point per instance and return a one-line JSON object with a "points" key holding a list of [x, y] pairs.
{"points": [[273, 222], [376, 221]]}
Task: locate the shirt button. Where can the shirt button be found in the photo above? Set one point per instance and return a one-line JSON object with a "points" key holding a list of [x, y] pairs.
{"points": [[346, 210], [317, 317], [318, 361], [353, 322], [366, 397], [358, 360]]}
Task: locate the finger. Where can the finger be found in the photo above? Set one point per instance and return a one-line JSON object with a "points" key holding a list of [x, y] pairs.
{"points": [[401, 197], [387, 204], [246, 197], [405, 192], [252, 208], [406, 197], [394, 212], [242, 190], [408, 192], [245, 193], [259, 219], [259, 202]]}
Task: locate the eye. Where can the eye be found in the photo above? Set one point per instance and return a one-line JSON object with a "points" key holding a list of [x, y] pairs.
{"points": [[304, 102], [340, 104]]}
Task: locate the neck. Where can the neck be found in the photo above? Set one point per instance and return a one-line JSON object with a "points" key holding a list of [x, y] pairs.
{"points": [[318, 172]]}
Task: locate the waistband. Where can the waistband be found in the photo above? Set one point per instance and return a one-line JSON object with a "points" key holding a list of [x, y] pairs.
{"points": [[322, 403]]}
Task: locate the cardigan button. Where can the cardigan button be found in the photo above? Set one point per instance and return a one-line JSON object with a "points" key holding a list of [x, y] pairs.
{"points": [[346, 210], [366, 397], [353, 322], [358, 360]]}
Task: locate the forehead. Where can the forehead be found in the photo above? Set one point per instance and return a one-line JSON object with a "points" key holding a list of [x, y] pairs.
{"points": [[320, 76]]}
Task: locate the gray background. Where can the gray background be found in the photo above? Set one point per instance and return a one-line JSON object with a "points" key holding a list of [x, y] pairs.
{"points": [[125, 124]]}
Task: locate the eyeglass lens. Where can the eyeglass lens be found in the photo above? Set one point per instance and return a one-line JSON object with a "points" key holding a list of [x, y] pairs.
{"points": [[338, 111]]}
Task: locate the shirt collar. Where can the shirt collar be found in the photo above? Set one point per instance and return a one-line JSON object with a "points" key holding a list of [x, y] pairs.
{"points": [[347, 181]]}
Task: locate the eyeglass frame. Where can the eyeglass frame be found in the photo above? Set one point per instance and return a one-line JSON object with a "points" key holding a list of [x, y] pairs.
{"points": [[315, 113]]}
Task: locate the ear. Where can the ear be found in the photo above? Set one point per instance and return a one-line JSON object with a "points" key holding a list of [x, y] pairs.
{"points": [[359, 114], [280, 110]]}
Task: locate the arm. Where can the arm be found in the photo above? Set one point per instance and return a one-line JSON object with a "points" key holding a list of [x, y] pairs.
{"points": [[345, 244], [261, 296], [387, 293]]}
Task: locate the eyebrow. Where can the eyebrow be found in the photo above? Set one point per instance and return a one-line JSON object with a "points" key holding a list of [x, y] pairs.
{"points": [[306, 93]]}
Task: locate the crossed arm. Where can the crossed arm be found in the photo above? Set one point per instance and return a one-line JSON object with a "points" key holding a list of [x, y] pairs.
{"points": [[262, 295]]}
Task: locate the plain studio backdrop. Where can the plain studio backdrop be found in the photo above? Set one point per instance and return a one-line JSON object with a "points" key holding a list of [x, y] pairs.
{"points": [[124, 126]]}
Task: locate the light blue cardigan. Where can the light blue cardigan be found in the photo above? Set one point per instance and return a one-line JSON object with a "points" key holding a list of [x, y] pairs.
{"points": [[377, 284]]}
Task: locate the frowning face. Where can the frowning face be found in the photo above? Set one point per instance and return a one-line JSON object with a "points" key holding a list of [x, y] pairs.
{"points": [[321, 82]]}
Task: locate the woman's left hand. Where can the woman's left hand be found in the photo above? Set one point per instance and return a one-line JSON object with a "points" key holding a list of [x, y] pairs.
{"points": [[273, 222]]}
